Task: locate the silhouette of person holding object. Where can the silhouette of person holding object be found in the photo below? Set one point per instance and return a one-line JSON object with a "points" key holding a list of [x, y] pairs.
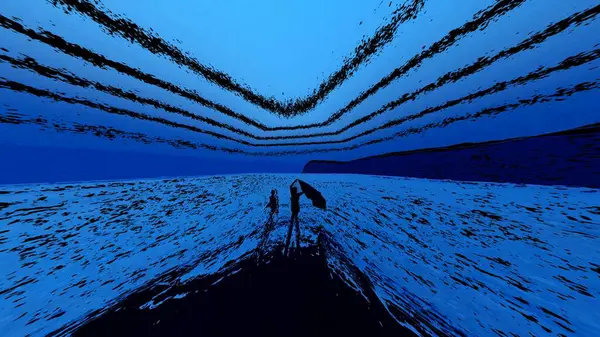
{"points": [[273, 205], [295, 205]]}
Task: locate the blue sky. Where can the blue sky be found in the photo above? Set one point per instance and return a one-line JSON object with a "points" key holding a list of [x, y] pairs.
{"points": [[285, 50]]}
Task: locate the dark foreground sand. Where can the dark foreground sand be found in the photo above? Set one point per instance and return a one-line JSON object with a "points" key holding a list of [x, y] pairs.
{"points": [[296, 296]]}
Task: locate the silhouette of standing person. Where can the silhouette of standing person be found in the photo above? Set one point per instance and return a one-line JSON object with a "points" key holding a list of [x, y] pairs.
{"points": [[295, 205], [273, 205]]}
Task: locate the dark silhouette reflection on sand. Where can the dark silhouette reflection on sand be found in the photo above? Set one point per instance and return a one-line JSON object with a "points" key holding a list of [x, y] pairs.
{"points": [[295, 296]]}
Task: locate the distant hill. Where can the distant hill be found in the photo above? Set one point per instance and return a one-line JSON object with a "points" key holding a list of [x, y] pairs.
{"points": [[570, 158]]}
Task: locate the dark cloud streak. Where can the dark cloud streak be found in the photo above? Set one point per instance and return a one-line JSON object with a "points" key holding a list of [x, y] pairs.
{"points": [[105, 132], [65, 76], [454, 76], [124, 27], [101, 61], [20, 87]]}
